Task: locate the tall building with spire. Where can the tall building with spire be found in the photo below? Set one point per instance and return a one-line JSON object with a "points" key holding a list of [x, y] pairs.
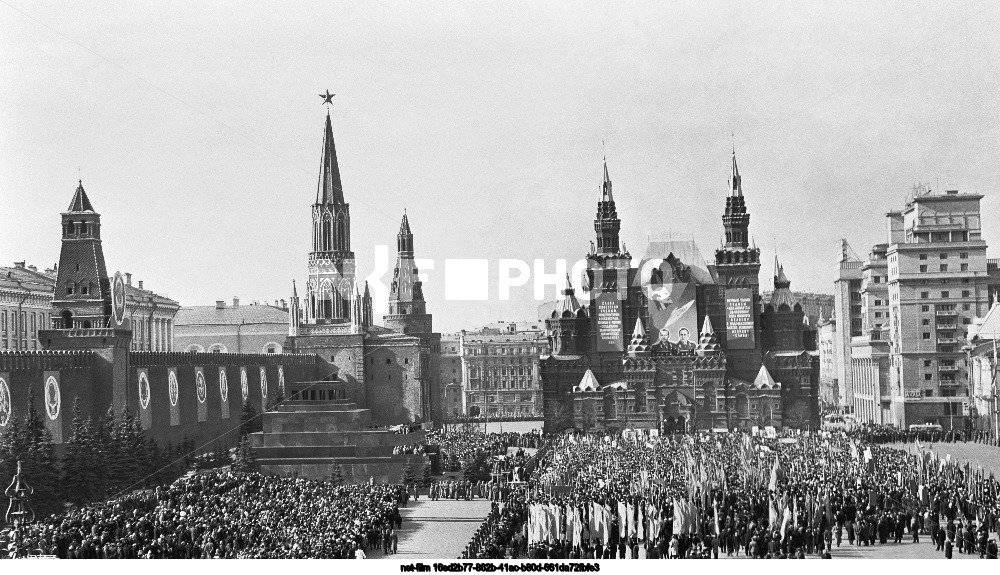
{"points": [[390, 369], [330, 289], [736, 305], [407, 308], [83, 291]]}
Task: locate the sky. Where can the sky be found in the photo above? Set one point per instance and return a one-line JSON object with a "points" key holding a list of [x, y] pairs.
{"points": [[196, 128]]}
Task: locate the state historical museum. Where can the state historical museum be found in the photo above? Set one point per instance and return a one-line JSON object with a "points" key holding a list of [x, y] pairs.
{"points": [[675, 342]]}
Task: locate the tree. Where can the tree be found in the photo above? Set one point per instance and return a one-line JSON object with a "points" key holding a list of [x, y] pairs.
{"points": [[244, 460], [426, 480], [408, 476], [221, 456], [79, 476], [336, 475], [249, 421], [277, 398]]}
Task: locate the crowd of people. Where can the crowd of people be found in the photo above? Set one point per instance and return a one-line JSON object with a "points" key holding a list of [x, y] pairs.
{"points": [[636, 495], [882, 434], [463, 445], [221, 515], [738, 495]]}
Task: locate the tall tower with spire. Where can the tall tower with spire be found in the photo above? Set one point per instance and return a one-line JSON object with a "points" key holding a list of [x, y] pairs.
{"points": [[407, 308], [609, 276], [330, 289], [83, 290], [737, 309]]}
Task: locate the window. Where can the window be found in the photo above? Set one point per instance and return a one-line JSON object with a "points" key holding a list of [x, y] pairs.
{"points": [[966, 320], [966, 306], [944, 295], [69, 289], [964, 255], [927, 335], [965, 293], [84, 289], [925, 322], [964, 267], [927, 377], [944, 256], [925, 308], [925, 294], [923, 268], [927, 363], [928, 393], [388, 361], [944, 267], [923, 257]]}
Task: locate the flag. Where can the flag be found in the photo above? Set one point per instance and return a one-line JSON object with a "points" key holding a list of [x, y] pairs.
{"points": [[773, 485], [715, 513]]}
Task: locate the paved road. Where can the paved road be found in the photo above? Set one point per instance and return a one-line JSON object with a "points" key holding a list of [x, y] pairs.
{"points": [[975, 453], [438, 529]]}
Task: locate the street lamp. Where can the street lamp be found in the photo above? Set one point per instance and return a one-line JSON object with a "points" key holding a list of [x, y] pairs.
{"points": [[19, 510]]}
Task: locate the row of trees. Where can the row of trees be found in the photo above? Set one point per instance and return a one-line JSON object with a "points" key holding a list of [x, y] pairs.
{"points": [[102, 458]]}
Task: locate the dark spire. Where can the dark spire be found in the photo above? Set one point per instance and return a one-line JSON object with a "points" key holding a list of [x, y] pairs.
{"points": [[606, 188], [737, 186], [404, 226], [606, 224], [404, 239], [80, 203], [329, 189]]}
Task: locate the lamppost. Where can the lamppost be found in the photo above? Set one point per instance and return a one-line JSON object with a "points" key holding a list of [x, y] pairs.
{"points": [[19, 510]]}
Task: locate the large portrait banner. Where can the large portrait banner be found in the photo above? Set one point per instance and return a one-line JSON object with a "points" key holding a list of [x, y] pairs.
{"points": [[673, 315]]}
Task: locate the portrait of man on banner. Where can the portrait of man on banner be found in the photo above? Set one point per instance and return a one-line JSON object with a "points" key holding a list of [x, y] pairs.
{"points": [[673, 316]]}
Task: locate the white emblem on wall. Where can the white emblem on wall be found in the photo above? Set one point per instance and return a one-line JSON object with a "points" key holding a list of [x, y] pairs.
{"points": [[202, 388], [143, 390], [223, 384], [281, 379], [118, 299], [244, 386], [52, 399], [172, 388], [263, 384], [5, 403]]}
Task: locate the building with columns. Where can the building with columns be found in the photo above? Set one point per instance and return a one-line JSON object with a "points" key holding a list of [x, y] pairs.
{"points": [[25, 305]]}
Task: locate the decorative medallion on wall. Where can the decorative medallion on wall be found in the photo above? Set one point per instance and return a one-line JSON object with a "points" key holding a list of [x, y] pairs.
{"points": [[143, 390], [172, 390], [52, 399]]}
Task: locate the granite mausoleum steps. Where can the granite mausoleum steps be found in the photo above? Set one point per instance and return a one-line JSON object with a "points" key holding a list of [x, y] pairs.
{"points": [[311, 437]]}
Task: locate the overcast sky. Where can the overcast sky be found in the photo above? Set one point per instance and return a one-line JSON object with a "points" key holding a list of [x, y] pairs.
{"points": [[196, 128]]}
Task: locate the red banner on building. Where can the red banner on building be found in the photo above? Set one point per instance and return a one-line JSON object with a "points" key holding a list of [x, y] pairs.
{"points": [[739, 319], [201, 391], [52, 405], [173, 396], [224, 392], [145, 413], [609, 322]]}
